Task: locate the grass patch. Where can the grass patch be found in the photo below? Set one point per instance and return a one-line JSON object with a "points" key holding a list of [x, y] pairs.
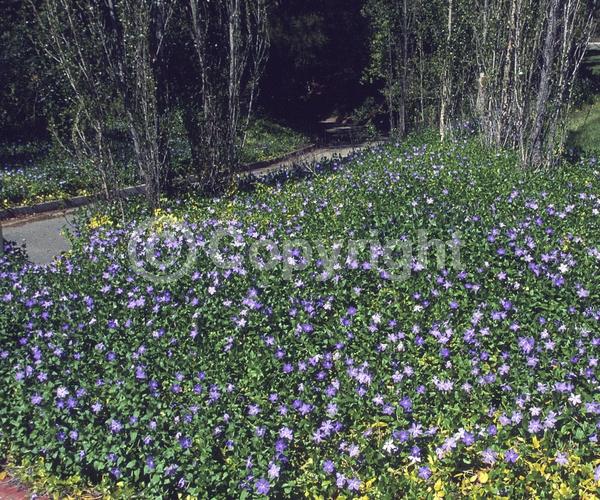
{"points": [[583, 130], [267, 140]]}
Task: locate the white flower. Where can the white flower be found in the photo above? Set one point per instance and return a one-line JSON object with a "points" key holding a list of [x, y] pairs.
{"points": [[389, 446], [61, 392]]}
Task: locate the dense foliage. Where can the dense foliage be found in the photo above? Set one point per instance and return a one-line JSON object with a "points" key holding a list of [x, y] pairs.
{"points": [[337, 379], [23, 97], [317, 55]]}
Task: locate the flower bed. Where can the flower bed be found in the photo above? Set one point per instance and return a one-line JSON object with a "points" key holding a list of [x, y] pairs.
{"points": [[473, 374]]}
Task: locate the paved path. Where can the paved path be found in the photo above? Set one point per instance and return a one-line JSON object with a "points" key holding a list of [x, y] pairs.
{"points": [[42, 233], [10, 489], [310, 158]]}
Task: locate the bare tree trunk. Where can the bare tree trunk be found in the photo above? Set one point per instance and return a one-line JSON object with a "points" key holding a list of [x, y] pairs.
{"points": [[505, 89], [106, 49], [536, 138], [421, 76], [255, 29], [404, 72], [390, 84], [214, 133], [446, 78], [529, 64]]}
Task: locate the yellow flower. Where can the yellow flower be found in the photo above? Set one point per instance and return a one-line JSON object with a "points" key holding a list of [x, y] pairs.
{"points": [[165, 221], [99, 221]]}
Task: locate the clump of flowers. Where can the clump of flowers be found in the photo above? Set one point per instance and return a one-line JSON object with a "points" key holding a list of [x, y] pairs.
{"points": [[98, 221]]}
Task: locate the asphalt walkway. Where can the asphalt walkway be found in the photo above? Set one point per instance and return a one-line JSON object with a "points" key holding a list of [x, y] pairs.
{"points": [[41, 235]]}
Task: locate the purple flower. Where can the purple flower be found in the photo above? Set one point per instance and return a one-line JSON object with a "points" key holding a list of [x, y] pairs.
{"points": [[328, 466], [489, 456], [115, 426], [353, 484], [424, 472], [353, 450], [526, 344], [561, 458], [273, 471], [262, 486], [185, 442], [286, 433], [511, 456], [280, 446], [61, 392], [468, 439], [253, 410], [406, 404], [535, 426], [170, 470]]}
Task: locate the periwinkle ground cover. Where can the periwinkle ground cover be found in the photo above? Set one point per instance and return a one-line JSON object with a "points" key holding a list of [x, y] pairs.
{"points": [[35, 172], [239, 382]]}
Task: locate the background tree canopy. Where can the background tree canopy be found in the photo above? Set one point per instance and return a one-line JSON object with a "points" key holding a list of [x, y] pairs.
{"points": [[138, 81]]}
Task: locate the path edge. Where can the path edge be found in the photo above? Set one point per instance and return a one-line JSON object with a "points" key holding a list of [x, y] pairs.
{"points": [[80, 201]]}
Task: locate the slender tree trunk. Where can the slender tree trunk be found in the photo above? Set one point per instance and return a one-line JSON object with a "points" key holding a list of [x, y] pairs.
{"points": [[421, 76], [403, 74], [390, 84], [446, 78], [506, 77], [543, 94]]}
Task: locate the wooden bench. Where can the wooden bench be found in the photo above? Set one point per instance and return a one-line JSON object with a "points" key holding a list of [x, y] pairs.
{"points": [[349, 133]]}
